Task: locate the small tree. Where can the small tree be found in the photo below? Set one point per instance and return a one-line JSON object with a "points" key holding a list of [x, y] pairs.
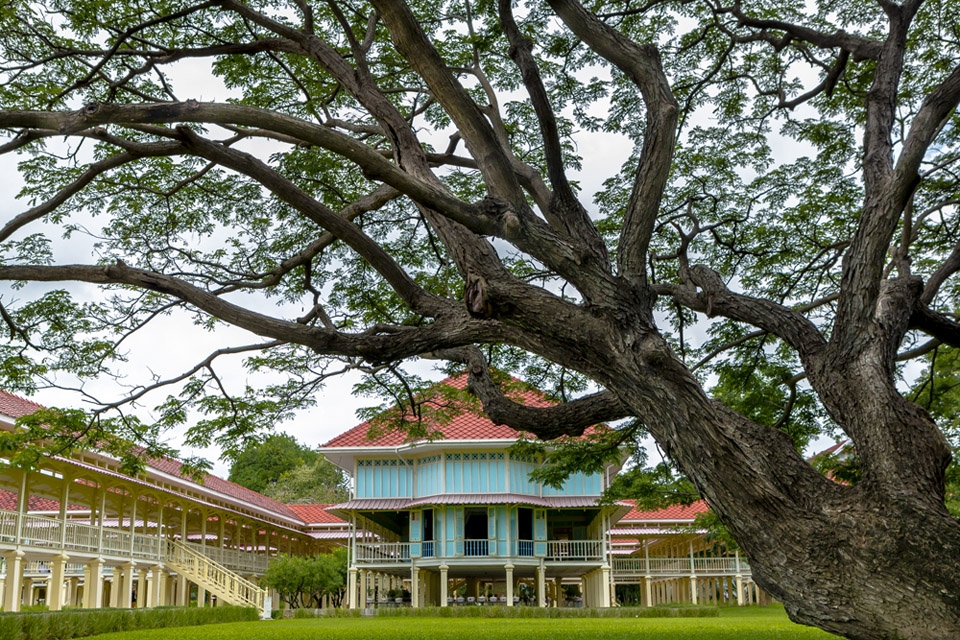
{"points": [[304, 581], [287, 575]]}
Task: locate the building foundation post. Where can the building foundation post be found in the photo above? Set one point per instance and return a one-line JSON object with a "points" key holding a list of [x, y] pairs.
{"points": [[443, 583], [14, 580]]}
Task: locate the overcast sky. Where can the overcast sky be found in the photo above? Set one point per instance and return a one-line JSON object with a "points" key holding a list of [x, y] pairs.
{"points": [[173, 344]]}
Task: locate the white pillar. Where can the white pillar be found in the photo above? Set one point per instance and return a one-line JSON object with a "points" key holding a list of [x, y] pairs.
{"points": [[443, 583], [28, 591], [93, 586], [73, 584], [14, 580], [55, 583], [142, 589], [693, 589], [541, 585], [740, 601], [606, 587], [414, 587], [116, 581], [126, 585], [352, 588]]}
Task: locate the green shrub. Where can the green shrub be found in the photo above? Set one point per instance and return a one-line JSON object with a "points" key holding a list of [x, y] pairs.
{"points": [[538, 612], [79, 623]]}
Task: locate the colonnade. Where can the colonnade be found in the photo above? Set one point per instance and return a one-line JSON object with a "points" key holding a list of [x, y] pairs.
{"points": [[433, 586]]}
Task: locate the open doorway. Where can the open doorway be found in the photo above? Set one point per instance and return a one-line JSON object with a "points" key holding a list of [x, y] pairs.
{"points": [[525, 532], [475, 532]]}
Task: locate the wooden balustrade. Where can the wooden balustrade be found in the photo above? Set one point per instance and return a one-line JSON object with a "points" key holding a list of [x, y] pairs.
{"points": [[635, 568]]}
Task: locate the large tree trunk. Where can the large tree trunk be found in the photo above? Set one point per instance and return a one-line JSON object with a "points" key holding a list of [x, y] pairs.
{"points": [[874, 560]]}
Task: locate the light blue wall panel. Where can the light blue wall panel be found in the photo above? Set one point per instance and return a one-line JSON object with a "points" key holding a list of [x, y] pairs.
{"points": [[578, 484], [520, 476], [449, 533], [383, 478]]}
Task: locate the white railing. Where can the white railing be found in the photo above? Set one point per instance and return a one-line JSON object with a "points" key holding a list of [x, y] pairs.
{"points": [[567, 550], [8, 526], [44, 568], [47, 533], [627, 568], [145, 547], [383, 552], [37, 531], [114, 541], [228, 586], [232, 558], [83, 537]]}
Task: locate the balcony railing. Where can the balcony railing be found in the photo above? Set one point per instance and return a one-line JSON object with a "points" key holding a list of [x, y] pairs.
{"points": [[632, 568], [557, 550], [52, 533], [233, 559], [523, 548], [476, 548], [572, 550], [383, 552]]}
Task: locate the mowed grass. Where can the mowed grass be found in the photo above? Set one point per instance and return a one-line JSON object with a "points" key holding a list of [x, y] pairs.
{"points": [[750, 623]]}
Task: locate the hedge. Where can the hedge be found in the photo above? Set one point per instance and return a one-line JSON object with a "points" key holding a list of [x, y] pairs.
{"points": [[515, 612], [79, 623]]}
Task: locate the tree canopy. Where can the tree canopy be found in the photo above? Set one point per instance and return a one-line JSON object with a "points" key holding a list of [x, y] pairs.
{"points": [[285, 470], [261, 464], [390, 181]]}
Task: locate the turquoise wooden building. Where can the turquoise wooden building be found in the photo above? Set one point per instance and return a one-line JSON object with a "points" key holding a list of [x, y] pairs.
{"points": [[455, 517]]}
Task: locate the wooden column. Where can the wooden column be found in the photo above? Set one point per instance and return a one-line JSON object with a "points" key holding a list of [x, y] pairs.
{"points": [[55, 584], [14, 580]]}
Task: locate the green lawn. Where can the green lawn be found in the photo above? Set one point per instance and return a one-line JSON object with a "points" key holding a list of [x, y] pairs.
{"points": [[752, 623]]}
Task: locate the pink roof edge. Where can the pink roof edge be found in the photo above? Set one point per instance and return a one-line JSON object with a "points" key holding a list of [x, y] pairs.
{"points": [[467, 424]]}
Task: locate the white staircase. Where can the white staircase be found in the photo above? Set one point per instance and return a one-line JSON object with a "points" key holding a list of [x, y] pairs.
{"points": [[229, 587]]}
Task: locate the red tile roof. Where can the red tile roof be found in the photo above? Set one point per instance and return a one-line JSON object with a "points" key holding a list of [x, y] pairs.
{"points": [[467, 424], [673, 512], [15, 406], [315, 514], [8, 502], [231, 489]]}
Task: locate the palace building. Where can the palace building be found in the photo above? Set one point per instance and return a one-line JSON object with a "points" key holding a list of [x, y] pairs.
{"points": [[455, 516], [451, 518]]}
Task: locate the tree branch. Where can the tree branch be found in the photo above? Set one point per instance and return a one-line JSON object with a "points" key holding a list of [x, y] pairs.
{"points": [[937, 325], [860, 48], [886, 197], [716, 299], [642, 65], [418, 299], [565, 212], [378, 344], [411, 41], [547, 423], [92, 172]]}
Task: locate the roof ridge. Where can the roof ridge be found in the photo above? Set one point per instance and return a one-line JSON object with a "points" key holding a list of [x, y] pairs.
{"points": [[465, 425]]}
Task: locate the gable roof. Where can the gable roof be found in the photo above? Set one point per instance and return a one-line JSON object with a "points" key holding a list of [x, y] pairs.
{"points": [[673, 512], [8, 502], [467, 424], [315, 514], [232, 489], [15, 406]]}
